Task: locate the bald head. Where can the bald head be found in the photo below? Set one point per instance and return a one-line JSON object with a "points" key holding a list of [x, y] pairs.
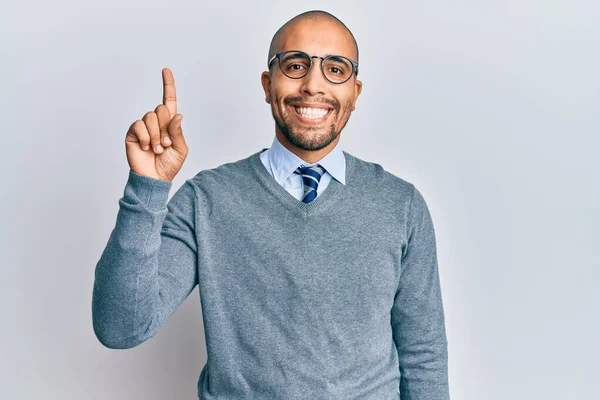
{"points": [[312, 16]]}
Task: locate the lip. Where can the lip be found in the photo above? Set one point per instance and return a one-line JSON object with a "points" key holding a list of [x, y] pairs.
{"points": [[309, 121]]}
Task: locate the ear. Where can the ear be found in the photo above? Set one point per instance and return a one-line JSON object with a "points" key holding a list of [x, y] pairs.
{"points": [[357, 91], [265, 80]]}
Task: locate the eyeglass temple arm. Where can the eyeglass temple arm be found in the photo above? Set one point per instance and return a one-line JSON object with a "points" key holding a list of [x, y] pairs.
{"points": [[271, 60]]}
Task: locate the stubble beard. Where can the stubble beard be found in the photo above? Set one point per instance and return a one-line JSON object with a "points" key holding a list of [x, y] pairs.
{"points": [[308, 138]]}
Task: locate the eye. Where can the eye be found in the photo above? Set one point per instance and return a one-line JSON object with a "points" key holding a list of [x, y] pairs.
{"points": [[336, 70], [295, 67], [337, 66]]}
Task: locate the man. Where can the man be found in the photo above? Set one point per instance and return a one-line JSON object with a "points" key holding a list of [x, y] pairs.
{"points": [[317, 270]]}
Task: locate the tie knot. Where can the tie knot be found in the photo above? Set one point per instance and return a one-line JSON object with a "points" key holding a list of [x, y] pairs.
{"points": [[311, 176], [315, 171]]}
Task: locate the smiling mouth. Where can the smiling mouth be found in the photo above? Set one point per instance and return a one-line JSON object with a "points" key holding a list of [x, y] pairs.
{"points": [[312, 114]]}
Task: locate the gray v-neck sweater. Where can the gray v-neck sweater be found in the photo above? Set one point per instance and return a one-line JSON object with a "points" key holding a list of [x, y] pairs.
{"points": [[339, 298]]}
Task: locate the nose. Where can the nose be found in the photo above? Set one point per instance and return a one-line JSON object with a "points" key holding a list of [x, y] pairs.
{"points": [[314, 82]]}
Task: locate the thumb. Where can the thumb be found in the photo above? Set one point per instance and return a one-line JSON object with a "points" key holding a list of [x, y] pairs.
{"points": [[176, 133]]}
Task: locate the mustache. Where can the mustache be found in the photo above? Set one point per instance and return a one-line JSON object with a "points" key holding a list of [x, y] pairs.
{"points": [[301, 99]]}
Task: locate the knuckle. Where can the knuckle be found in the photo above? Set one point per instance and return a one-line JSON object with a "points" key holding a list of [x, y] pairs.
{"points": [[138, 127], [149, 116]]}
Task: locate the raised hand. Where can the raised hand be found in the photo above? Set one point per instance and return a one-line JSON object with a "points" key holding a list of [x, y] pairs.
{"points": [[155, 145]]}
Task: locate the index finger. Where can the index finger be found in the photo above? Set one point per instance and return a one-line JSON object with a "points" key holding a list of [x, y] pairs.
{"points": [[169, 96]]}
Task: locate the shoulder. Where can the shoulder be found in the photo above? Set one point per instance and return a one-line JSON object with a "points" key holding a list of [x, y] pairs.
{"points": [[374, 176], [214, 186], [226, 175], [387, 188]]}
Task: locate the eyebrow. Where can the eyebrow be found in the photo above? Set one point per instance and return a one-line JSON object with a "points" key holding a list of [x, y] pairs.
{"points": [[334, 57], [292, 56], [337, 58]]}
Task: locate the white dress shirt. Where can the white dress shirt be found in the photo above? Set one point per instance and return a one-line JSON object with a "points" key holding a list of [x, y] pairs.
{"points": [[281, 164]]}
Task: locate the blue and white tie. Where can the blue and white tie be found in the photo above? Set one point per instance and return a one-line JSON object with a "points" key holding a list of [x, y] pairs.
{"points": [[311, 177]]}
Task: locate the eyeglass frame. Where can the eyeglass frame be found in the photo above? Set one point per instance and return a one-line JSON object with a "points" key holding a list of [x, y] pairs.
{"points": [[279, 55]]}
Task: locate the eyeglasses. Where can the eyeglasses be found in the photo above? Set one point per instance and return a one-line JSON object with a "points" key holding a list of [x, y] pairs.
{"points": [[295, 64]]}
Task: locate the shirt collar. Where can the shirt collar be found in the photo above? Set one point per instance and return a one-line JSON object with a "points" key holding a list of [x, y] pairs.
{"points": [[284, 162]]}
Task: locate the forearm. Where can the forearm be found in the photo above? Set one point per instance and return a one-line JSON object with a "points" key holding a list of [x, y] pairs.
{"points": [[418, 321], [423, 348], [147, 267]]}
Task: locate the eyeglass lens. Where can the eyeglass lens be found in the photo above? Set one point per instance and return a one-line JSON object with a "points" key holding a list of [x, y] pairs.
{"points": [[296, 64]]}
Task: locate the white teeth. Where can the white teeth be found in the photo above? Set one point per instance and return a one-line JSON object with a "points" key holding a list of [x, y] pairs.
{"points": [[312, 113]]}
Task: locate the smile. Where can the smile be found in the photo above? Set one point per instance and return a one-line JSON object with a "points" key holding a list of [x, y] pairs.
{"points": [[312, 114]]}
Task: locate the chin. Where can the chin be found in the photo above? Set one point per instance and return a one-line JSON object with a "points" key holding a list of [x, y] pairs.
{"points": [[309, 139]]}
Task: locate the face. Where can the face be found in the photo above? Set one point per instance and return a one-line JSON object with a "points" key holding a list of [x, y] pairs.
{"points": [[298, 105]]}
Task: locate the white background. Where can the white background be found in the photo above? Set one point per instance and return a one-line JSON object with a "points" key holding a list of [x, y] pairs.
{"points": [[489, 107]]}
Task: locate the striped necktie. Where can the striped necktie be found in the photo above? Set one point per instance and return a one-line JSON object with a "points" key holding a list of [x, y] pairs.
{"points": [[311, 177]]}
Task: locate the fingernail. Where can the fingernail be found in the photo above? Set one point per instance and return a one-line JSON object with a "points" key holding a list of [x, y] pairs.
{"points": [[159, 148], [146, 147], [166, 140]]}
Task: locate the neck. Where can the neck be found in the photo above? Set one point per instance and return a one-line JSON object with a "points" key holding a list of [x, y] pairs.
{"points": [[310, 156]]}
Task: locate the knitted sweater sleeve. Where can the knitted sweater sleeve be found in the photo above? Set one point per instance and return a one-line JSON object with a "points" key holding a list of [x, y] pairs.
{"points": [[148, 266], [417, 314]]}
